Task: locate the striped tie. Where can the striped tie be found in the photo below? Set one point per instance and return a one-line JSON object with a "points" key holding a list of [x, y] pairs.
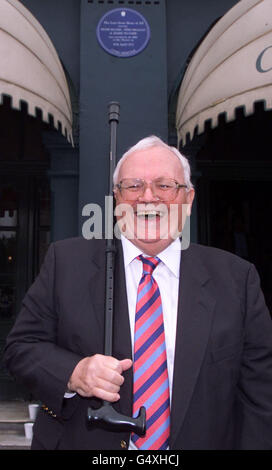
{"points": [[151, 386]]}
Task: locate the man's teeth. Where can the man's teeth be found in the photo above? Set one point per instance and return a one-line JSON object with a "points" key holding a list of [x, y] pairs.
{"points": [[149, 213]]}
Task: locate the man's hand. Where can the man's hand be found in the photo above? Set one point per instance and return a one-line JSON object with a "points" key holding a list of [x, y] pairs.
{"points": [[99, 376]]}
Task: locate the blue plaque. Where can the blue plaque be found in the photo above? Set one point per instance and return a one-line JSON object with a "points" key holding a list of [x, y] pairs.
{"points": [[123, 32]]}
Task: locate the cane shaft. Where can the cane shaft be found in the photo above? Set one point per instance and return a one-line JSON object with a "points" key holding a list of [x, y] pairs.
{"points": [[114, 109]]}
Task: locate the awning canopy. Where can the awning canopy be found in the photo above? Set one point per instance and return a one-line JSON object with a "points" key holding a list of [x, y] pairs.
{"points": [[30, 69], [231, 68]]}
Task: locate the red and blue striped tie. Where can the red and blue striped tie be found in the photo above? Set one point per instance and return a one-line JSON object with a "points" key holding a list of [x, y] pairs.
{"points": [[151, 386]]}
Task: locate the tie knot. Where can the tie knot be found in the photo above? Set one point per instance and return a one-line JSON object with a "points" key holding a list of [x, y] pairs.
{"points": [[149, 264]]}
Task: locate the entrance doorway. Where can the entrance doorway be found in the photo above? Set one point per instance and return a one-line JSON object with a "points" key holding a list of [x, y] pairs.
{"points": [[235, 216], [24, 239]]}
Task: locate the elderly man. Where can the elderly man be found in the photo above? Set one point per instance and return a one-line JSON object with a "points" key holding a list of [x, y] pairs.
{"points": [[194, 321]]}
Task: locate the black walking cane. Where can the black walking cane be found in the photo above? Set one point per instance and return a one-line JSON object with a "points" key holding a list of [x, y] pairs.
{"points": [[107, 416]]}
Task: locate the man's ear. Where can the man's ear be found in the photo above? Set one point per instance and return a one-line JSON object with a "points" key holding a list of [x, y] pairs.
{"points": [[114, 206], [190, 200]]}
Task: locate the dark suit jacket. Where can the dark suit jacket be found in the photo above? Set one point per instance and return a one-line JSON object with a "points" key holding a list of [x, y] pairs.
{"points": [[222, 387]]}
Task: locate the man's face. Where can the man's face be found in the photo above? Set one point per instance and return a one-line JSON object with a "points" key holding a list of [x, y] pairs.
{"points": [[151, 223]]}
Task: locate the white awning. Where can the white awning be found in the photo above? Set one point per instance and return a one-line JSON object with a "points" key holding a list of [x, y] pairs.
{"points": [[30, 69], [231, 68]]}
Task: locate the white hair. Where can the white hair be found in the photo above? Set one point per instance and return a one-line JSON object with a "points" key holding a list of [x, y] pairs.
{"points": [[153, 141]]}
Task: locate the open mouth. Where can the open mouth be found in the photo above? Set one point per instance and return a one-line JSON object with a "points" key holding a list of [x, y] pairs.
{"points": [[149, 214]]}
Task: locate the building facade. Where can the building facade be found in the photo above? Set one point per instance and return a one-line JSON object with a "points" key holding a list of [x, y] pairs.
{"points": [[45, 181]]}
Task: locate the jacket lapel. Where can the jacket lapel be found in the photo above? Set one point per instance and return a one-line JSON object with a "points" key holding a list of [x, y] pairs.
{"points": [[121, 327], [195, 312], [97, 296]]}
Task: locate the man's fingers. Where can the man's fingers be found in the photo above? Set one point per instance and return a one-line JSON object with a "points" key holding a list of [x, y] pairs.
{"points": [[99, 376], [112, 376], [99, 393], [107, 386], [105, 395], [126, 364]]}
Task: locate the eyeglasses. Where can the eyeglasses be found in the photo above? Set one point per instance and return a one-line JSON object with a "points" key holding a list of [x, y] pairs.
{"points": [[164, 189]]}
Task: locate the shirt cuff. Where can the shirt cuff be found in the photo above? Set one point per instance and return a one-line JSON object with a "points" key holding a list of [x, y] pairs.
{"points": [[69, 394]]}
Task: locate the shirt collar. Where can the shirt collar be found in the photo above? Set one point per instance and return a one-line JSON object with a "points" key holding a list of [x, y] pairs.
{"points": [[170, 256]]}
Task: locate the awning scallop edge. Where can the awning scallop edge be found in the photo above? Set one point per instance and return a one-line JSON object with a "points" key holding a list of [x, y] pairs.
{"points": [[232, 68], [31, 70]]}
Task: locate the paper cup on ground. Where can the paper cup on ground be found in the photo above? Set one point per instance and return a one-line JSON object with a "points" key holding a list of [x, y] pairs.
{"points": [[33, 409], [28, 430]]}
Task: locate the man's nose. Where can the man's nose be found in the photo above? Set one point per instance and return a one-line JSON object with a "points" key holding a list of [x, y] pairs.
{"points": [[148, 195]]}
